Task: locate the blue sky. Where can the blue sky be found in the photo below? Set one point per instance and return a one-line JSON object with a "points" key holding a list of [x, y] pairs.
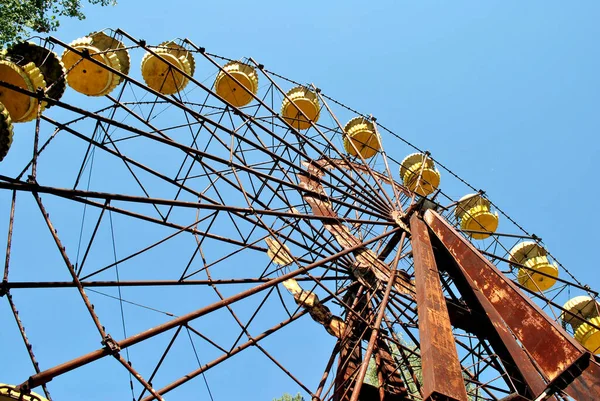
{"points": [[506, 94]]}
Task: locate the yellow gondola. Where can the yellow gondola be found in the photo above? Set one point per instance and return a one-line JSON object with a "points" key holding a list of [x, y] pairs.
{"points": [[474, 214], [47, 61], [589, 336], [160, 75], [6, 132], [88, 77], [422, 179], [301, 100], [233, 92], [540, 274], [20, 106], [361, 138], [11, 393]]}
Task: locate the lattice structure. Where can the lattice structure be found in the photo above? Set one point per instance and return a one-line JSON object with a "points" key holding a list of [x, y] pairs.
{"points": [[212, 223]]}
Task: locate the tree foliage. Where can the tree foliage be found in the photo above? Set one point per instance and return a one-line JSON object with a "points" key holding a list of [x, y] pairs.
{"points": [[289, 397], [22, 18]]}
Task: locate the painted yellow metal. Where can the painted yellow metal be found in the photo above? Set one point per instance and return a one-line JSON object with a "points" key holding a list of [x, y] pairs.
{"points": [[6, 132], [87, 77], [278, 252], [46, 60], [361, 133], [419, 174], [10, 393], [21, 107], [160, 75], [583, 306], [105, 42], [232, 91], [589, 336], [474, 213], [301, 100], [534, 256]]}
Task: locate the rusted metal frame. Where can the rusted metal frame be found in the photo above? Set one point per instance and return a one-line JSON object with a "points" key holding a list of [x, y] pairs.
{"points": [[85, 159], [91, 241], [244, 327], [240, 188], [70, 267], [554, 304], [187, 174], [497, 234], [442, 372], [304, 234], [137, 164], [197, 154], [496, 362], [251, 245], [36, 139], [225, 356], [280, 118], [147, 123], [138, 376], [161, 360], [387, 167], [251, 342], [49, 374], [28, 345], [489, 360], [379, 367], [413, 339], [397, 302], [11, 223], [328, 366], [336, 348], [39, 152], [284, 369], [113, 111], [557, 350], [349, 309], [205, 338], [68, 193], [405, 359], [147, 248], [199, 84], [389, 247], [350, 347], [289, 183], [516, 361], [135, 177], [150, 283], [343, 385], [522, 266], [382, 308], [171, 225], [318, 92]]}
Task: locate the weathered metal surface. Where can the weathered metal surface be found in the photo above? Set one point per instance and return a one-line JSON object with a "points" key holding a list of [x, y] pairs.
{"points": [[368, 263], [442, 375], [515, 397], [350, 352], [552, 349], [390, 381], [503, 338]]}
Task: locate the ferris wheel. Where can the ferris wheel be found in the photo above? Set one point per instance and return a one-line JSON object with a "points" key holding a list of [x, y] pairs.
{"points": [[203, 224]]}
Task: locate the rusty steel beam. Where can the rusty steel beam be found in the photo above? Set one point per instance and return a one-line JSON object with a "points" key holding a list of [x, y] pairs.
{"points": [[552, 349], [490, 325], [442, 373], [49, 374]]}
